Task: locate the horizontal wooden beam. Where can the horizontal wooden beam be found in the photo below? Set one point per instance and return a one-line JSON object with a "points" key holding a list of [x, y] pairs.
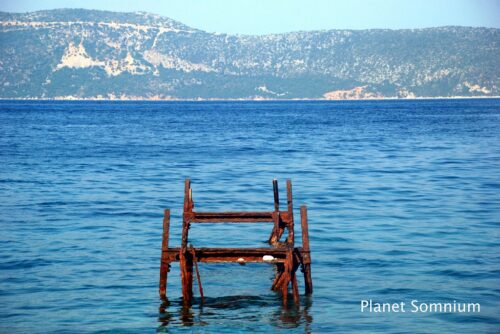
{"points": [[235, 217], [231, 217], [214, 255]]}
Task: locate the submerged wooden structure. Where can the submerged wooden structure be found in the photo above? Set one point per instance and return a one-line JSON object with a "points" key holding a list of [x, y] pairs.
{"points": [[283, 254]]}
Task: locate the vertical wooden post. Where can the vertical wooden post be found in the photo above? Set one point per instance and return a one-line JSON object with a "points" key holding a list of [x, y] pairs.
{"points": [[188, 196], [185, 258], [186, 264], [188, 208], [275, 235], [289, 200], [306, 252], [291, 241], [295, 288], [286, 278], [293, 263], [284, 291], [276, 195], [164, 264]]}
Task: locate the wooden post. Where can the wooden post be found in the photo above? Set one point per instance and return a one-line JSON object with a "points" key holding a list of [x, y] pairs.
{"points": [[286, 279], [186, 265], [306, 252], [289, 200], [295, 289], [185, 258], [164, 264], [275, 235], [276, 195], [188, 196], [295, 286], [185, 214]]}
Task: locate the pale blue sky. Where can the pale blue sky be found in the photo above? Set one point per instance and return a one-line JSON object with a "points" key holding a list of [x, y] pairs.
{"points": [[274, 16]]}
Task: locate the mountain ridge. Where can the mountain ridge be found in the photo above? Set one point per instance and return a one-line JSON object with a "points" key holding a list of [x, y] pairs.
{"points": [[22, 16], [108, 55]]}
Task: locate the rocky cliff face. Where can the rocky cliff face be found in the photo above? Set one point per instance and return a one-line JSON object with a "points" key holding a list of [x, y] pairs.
{"points": [[94, 54]]}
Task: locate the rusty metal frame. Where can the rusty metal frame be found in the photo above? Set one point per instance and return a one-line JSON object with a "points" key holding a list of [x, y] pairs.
{"points": [[287, 257]]}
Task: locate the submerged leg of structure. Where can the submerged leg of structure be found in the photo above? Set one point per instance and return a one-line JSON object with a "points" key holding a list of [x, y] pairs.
{"points": [[306, 252], [288, 276], [286, 279], [186, 265], [186, 258], [165, 264]]}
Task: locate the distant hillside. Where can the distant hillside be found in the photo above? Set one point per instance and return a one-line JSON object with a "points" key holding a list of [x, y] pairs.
{"points": [[75, 53]]}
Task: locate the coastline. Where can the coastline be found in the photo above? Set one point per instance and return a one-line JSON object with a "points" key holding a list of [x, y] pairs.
{"points": [[136, 99]]}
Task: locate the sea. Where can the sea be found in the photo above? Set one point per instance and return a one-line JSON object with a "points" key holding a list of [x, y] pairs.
{"points": [[403, 199]]}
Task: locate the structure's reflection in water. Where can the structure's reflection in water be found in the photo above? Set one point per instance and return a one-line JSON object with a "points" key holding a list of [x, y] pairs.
{"points": [[249, 309]]}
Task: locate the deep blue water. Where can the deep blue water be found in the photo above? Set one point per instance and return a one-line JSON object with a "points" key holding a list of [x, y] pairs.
{"points": [[403, 197]]}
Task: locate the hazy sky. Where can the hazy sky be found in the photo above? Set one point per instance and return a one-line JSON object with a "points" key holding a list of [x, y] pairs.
{"points": [[273, 16]]}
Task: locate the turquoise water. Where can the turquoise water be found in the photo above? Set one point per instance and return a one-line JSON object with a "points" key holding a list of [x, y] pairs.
{"points": [[403, 197]]}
